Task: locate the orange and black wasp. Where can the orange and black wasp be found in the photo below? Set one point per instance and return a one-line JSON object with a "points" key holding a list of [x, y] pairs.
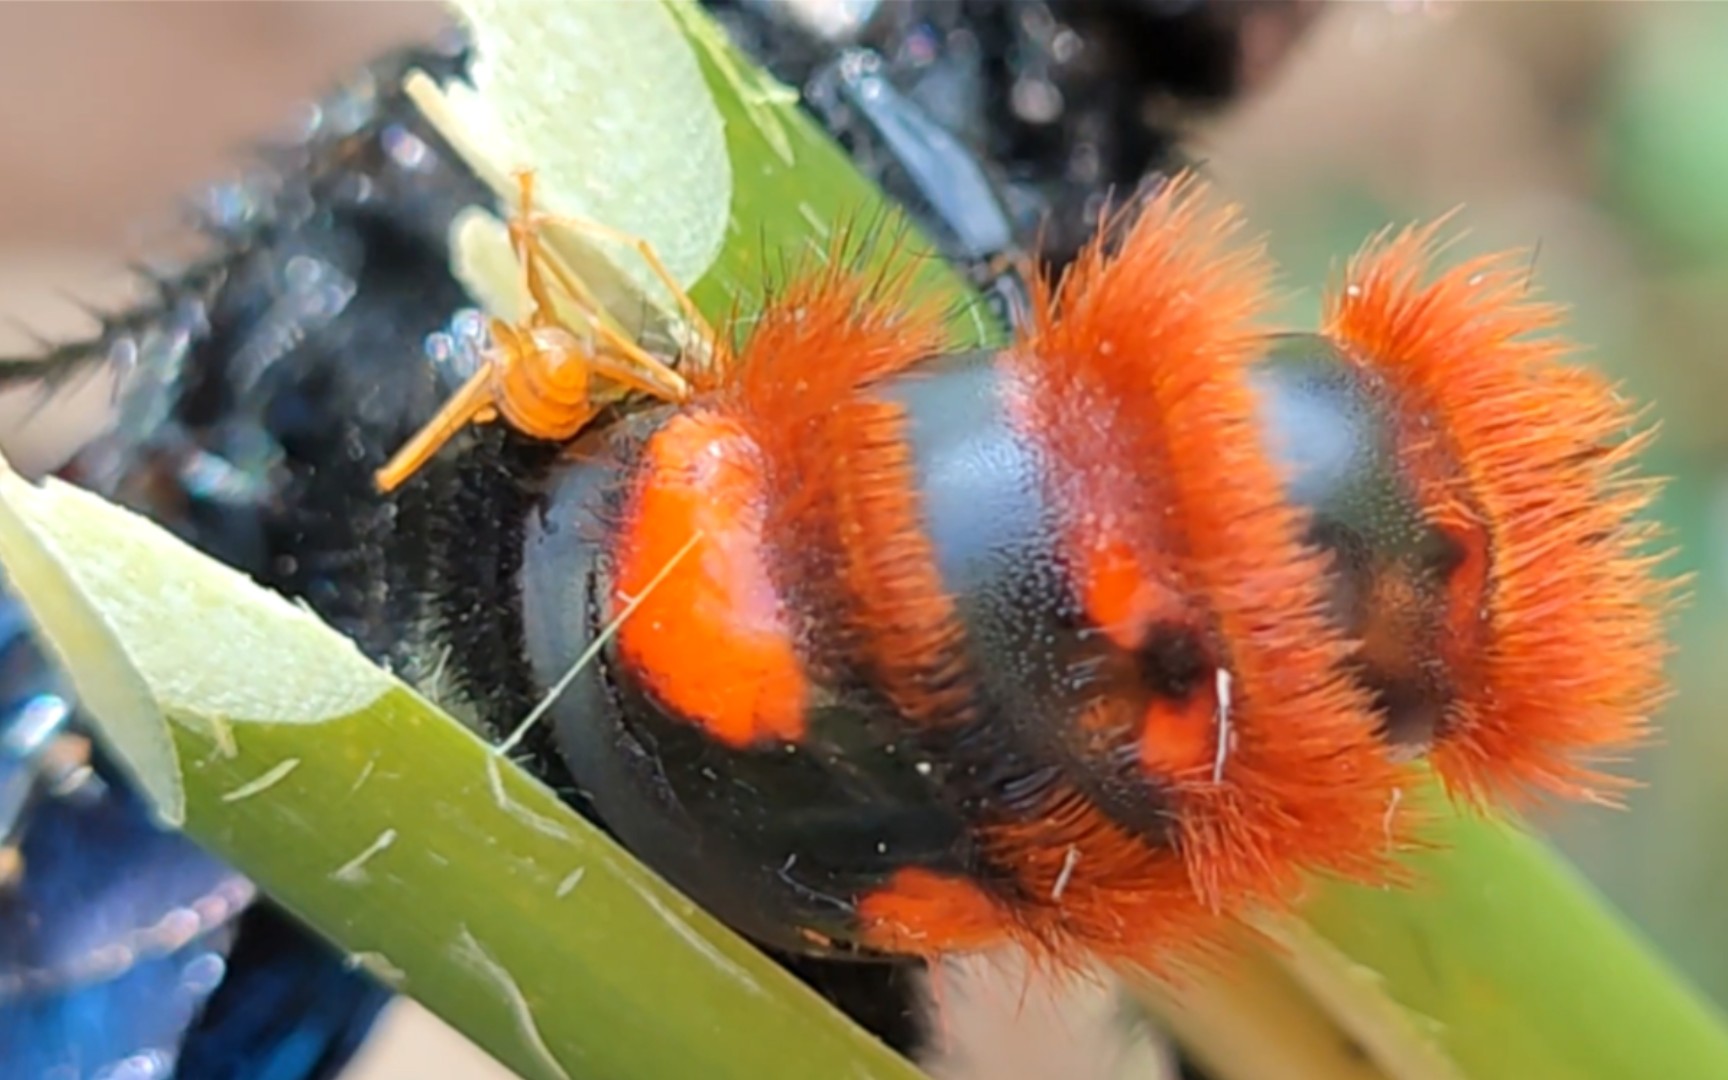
{"points": [[1080, 644], [1169, 536]]}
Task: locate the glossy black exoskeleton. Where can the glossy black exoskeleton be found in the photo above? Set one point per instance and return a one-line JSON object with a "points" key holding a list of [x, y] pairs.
{"points": [[272, 376]]}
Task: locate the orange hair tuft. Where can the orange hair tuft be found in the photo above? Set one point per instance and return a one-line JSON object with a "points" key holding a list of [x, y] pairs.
{"points": [[1569, 668], [1142, 355], [843, 471]]}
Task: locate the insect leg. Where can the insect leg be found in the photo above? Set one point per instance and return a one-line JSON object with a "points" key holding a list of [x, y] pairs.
{"points": [[473, 403], [632, 366]]}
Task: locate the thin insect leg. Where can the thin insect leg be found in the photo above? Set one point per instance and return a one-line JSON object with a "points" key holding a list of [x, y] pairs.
{"points": [[538, 263], [649, 256], [524, 225], [638, 370], [471, 404], [647, 374], [651, 375]]}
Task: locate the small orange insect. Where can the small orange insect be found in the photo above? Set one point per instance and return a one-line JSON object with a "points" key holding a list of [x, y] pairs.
{"points": [[539, 377]]}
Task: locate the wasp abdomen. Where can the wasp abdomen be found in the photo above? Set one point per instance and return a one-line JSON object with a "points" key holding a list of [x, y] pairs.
{"points": [[888, 648], [763, 743], [907, 656], [993, 511]]}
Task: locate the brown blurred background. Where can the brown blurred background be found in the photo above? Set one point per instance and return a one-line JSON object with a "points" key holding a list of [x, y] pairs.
{"points": [[1598, 132]]}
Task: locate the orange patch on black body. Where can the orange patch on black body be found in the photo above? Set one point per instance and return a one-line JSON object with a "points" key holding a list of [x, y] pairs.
{"points": [[711, 636], [920, 912]]}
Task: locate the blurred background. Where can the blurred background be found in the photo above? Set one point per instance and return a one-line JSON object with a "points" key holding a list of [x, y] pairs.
{"points": [[1595, 134]]}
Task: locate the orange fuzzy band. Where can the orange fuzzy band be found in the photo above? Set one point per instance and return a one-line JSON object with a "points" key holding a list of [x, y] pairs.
{"points": [[1141, 356], [1568, 669]]}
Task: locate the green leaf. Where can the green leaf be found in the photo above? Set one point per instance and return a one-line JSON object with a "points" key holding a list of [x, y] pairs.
{"points": [[1520, 967], [1500, 962]]}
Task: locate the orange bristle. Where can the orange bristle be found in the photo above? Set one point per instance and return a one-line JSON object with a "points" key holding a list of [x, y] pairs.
{"points": [[777, 438], [1142, 356], [1087, 890], [845, 477], [1568, 669]]}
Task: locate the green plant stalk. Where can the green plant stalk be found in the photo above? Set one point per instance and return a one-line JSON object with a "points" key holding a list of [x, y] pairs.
{"points": [[801, 208], [1250, 1019], [480, 894], [1521, 969], [1500, 962]]}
